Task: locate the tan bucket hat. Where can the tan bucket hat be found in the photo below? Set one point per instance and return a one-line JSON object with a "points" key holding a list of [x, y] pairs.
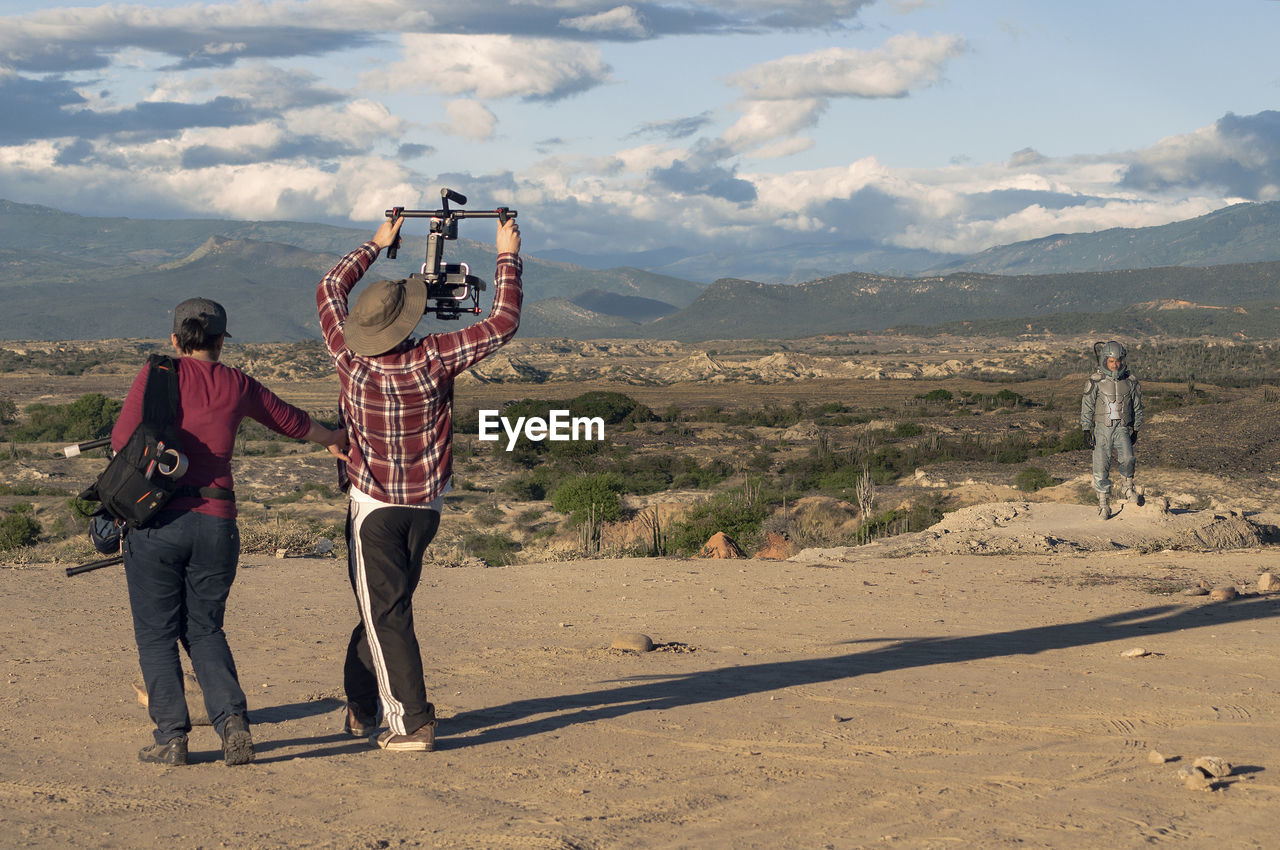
{"points": [[384, 315]]}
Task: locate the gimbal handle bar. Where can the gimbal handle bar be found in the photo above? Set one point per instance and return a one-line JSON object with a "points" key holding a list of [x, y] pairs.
{"points": [[72, 451], [502, 214], [95, 565]]}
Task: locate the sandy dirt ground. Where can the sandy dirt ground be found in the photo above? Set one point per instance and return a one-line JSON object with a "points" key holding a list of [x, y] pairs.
{"points": [[927, 700]]}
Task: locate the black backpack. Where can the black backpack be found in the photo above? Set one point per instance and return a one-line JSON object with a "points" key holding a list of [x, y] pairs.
{"points": [[143, 476]]}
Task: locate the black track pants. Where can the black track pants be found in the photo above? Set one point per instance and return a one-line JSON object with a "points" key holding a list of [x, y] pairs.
{"points": [[385, 546]]}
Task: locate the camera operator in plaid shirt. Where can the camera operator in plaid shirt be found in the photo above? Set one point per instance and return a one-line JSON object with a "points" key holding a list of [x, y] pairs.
{"points": [[397, 405]]}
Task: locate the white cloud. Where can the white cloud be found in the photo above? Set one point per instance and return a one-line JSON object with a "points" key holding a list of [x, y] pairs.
{"points": [[905, 62], [784, 96], [470, 119], [764, 120], [493, 66], [623, 20]]}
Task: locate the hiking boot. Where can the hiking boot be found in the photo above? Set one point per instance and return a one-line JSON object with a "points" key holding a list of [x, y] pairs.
{"points": [[421, 741], [237, 743], [359, 724], [1130, 493], [173, 751], [1104, 506]]}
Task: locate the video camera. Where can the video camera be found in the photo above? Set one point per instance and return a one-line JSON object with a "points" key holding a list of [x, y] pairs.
{"points": [[449, 285]]}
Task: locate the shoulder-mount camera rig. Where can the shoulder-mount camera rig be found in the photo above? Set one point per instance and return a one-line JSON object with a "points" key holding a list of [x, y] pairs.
{"points": [[451, 288]]}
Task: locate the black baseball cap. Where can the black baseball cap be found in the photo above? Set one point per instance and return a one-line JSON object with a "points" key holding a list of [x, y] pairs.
{"points": [[209, 313]]}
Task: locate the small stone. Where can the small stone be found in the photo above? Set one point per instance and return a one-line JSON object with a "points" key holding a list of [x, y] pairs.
{"points": [[1212, 766], [1268, 582], [1196, 591], [1195, 780], [1156, 757], [282, 553], [1224, 594], [1136, 652], [632, 642]]}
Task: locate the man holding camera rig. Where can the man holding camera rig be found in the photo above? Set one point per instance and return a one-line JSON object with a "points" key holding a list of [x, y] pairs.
{"points": [[397, 405], [179, 566]]}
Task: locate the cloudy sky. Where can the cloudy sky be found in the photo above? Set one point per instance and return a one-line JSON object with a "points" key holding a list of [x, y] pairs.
{"points": [[722, 126]]}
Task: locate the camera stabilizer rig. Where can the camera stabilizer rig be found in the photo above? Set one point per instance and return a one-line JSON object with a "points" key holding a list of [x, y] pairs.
{"points": [[449, 285]]}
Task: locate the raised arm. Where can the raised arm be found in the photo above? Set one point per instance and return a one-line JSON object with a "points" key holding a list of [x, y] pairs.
{"points": [[331, 294], [463, 349]]}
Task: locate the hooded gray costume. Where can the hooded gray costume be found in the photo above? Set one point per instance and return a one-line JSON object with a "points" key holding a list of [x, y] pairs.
{"points": [[1111, 413]]}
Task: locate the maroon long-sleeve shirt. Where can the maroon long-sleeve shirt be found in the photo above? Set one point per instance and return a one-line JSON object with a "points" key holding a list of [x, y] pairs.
{"points": [[214, 398]]}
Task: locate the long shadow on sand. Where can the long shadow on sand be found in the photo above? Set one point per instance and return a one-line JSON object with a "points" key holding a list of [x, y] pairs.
{"points": [[728, 682]]}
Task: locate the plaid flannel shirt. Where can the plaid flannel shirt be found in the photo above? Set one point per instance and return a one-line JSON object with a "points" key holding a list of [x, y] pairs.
{"points": [[398, 407]]}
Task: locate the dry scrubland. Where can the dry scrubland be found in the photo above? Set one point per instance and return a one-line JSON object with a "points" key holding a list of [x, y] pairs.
{"points": [[969, 677]]}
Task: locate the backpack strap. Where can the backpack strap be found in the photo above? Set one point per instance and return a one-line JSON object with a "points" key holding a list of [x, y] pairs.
{"points": [[207, 493], [160, 411], [160, 399]]}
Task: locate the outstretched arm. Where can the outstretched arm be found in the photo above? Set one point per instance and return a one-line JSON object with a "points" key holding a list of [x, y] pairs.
{"points": [[331, 294], [463, 349]]}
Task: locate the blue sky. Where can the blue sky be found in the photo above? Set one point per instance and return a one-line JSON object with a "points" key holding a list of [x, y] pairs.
{"points": [[717, 127]]}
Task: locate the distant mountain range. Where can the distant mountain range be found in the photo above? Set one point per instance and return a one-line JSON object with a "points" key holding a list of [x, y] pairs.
{"points": [[1244, 233], [736, 309], [65, 276]]}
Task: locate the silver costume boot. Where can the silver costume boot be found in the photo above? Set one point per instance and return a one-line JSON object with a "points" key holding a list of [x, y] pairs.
{"points": [[1130, 493]]}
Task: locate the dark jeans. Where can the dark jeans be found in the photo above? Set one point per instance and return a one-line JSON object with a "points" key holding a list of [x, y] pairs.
{"points": [[179, 570], [384, 663]]}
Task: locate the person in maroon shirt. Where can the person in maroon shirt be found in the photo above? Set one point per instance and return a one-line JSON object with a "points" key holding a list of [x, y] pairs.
{"points": [[179, 566], [397, 405]]}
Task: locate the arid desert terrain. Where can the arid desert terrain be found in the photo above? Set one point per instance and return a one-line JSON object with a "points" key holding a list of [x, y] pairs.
{"points": [[1017, 673]]}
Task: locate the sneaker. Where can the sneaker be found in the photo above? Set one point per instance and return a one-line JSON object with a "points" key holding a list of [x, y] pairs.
{"points": [[237, 743], [173, 751], [421, 741], [359, 724]]}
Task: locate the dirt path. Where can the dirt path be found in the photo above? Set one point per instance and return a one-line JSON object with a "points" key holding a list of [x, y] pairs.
{"points": [[931, 701]]}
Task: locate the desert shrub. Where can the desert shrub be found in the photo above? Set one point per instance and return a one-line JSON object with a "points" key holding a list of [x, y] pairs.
{"points": [[18, 529], [283, 531], [583, 494], [491, 547], [937, 395], [612, 407], [1013, 454], [324, 490], [81, 508], [908, 429], [739, 514], [88, 417], [1033, 478], [526, 488]]}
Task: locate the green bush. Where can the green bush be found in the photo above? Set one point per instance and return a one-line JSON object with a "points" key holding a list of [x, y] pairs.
{"points": [[579, 494], [735, 513], [612, 407], [1012, 455], [18, 530], [491, 547], [526, 488], [88, 417], [1032, 478]]}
